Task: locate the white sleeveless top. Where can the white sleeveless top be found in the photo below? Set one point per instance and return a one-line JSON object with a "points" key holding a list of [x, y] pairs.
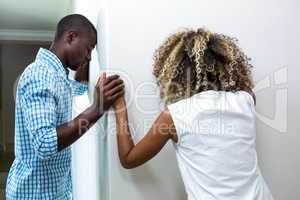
{"points": [[216, 147]]}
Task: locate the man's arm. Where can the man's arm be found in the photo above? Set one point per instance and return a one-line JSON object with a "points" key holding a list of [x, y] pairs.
{"points": [[82, 73], [107, 90], [81, 79], [69, 132], [37, 96]]}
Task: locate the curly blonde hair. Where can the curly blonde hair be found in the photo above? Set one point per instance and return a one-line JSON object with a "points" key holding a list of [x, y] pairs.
{"points": [[192, 61]]}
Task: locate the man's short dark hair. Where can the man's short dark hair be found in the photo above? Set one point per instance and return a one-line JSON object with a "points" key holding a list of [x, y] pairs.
{"points": [[73, 22]]}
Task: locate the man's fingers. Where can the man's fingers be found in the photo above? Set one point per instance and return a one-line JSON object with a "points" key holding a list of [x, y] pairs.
{"points": [[117, 95], [113, 84], [115, 90], [110, 78], [104, 80]]}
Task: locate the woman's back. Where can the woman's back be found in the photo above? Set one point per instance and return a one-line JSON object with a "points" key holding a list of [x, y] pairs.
{"points": [[216, 146], [203, 75]]}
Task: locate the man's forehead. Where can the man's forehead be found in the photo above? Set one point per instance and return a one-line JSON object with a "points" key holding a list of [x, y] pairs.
{"points": [[94, 38], [90, 36]]}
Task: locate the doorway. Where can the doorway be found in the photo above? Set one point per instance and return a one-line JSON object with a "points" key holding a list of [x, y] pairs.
{"points": [[14, 57]]}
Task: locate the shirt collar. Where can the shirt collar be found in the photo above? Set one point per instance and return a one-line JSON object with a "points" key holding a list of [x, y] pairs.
{"points": [[45, 54]]}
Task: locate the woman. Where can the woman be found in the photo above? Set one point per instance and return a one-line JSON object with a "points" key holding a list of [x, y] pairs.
{"points": [[205, 80]]}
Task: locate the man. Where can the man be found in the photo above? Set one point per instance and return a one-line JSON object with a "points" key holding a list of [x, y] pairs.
{"points": [[44, 130]]}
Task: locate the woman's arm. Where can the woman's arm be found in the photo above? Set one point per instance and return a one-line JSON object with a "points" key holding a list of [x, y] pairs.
{"points": [[132, 155]]}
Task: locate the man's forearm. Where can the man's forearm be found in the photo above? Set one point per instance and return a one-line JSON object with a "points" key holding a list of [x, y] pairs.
{"points": [[68, 133]]}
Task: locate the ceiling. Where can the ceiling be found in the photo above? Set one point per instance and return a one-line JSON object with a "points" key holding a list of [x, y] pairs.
{"points": [[31, 15]]}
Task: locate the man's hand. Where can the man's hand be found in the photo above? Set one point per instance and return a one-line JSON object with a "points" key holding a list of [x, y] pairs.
{"points": [[107, 91], [82, 73]]}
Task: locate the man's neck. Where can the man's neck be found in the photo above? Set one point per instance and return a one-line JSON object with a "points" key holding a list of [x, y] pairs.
{"points": [[60, 54]]}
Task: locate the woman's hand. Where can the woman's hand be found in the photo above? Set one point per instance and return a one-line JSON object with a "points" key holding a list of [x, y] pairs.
{"points": [[120, 103]]}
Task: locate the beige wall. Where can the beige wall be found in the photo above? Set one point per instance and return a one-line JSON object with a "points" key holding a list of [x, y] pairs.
{"points": [[1, 133], [13, 60]]}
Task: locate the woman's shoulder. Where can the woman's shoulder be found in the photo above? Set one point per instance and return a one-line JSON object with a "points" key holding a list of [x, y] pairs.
{"points": [[250, 92]]}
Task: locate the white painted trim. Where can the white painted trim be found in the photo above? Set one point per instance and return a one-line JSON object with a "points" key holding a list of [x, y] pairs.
{"points": [[26, 35]]}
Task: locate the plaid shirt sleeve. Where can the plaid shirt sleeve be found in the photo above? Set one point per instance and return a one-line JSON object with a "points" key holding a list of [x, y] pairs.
{"points": [[78, 88], [39, 108]]}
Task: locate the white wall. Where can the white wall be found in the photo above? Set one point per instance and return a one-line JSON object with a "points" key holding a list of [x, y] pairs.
{"points": [[267, 31], [89, 154]]}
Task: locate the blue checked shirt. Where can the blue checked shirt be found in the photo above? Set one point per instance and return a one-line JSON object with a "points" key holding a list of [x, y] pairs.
{"points": [[43, 102]]}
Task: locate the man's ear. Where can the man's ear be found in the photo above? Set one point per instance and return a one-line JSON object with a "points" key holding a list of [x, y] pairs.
{"points": [[71, 36]]}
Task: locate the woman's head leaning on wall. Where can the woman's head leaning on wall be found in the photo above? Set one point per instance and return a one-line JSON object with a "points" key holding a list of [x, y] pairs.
{"points": [[189, 62]]}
